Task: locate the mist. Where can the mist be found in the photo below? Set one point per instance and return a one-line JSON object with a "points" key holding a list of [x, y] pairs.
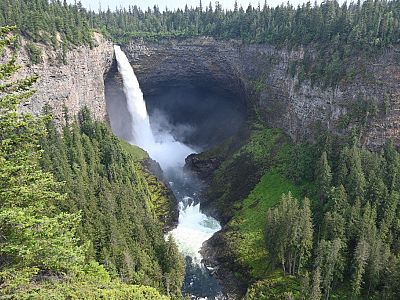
{"points": [[198, 116], [159, 141]]}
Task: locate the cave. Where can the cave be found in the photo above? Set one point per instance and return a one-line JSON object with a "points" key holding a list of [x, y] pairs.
{"points": [[200, 111]]}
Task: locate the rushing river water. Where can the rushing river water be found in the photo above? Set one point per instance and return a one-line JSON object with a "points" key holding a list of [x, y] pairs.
{"points": [[194, 227]]}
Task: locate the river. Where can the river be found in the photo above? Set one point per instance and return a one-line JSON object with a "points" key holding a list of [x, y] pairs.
{"points": [[194, 227]]}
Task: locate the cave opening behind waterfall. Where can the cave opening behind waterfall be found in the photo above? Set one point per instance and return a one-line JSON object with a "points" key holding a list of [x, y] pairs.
{"points": [[199, 112]]}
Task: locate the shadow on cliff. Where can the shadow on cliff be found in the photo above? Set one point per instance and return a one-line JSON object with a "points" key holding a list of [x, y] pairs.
{"points": [[200, 114]]}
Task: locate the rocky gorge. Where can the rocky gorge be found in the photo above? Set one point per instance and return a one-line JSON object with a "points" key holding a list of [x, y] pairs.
{"points": [[256, 79], [259, 76]]}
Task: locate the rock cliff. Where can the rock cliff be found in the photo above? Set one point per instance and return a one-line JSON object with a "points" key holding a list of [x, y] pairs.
{"points": [[258, 74], [78, 83]]}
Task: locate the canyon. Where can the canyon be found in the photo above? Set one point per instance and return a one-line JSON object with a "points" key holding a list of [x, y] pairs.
{"points": [[233, 84], [254, 79]]}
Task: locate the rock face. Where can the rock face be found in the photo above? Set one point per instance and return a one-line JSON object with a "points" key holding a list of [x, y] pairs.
{"points": [[203, 168], [76, 84], [216, 256], [258, 75]]}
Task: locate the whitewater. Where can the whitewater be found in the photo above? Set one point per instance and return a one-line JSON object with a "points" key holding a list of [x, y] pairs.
{"points": [[194, 227]]}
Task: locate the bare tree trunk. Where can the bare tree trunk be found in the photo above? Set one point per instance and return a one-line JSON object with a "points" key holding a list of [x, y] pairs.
{"points": [[298, 268], [283, 267]]}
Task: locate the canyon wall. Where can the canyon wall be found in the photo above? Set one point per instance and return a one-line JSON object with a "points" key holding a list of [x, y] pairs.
{"points": [[259, 74], [78, 83]]}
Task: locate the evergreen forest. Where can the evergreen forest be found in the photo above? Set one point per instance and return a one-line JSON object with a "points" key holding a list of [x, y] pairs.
{"points": [[82, 216]]}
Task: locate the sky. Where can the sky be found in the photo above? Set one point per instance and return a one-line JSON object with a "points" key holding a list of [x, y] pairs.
{"points": [[173, 4]]}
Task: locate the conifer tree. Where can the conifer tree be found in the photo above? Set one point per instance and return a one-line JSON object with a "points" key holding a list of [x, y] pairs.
{"points": [[323, 176], [34, 236], [316, 285]]}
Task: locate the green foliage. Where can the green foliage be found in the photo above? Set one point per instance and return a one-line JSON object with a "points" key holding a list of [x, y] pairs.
{"points": [[121, 203], [48, 22], [338, 39], [289, 234], [40, 254], [323, 176], [93, 282], [277, 288], [251, 161], [329, 263], [34, 236], [245, 237], [354, 208], [345, 27], [85, 288], [359, 111]]}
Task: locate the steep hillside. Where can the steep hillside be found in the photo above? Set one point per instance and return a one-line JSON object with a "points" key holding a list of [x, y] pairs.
{"points": [[352, 249], [123, 205]]}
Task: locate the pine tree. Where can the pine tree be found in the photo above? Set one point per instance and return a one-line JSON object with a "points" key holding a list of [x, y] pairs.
{"points": [[173, 268], [35, 237], [329, 261], [356, 183], [289, 234], [323, 176], [361, 255], [316, 285], [392, 166]]}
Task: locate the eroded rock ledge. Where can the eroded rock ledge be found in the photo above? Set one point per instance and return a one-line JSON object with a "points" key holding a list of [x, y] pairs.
{"points": [[259, 74], [76, 84]]}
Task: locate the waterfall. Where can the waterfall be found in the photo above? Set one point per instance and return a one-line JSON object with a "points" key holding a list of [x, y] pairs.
{"points": [[194, 227], [136, 106], [168, 152]]}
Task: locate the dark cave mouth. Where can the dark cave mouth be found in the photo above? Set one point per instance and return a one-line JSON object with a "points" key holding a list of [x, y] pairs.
{"points": [[200, 113]]}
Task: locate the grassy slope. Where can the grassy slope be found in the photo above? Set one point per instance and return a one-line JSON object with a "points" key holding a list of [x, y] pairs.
{"points": [[249, 182], [137, 153], [241, 171], [246, 229]]}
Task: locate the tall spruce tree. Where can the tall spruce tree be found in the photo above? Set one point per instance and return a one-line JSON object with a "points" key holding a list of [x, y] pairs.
{"points": [[34, 237]]}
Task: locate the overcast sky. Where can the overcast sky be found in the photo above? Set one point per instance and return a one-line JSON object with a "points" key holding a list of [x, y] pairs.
{"points": [[171, 4]]}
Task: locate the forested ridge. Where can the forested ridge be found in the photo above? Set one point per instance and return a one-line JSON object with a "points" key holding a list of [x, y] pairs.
{"points": [[79, 213], [120, 202], [311, 221], [333, 35], [362, 24]]}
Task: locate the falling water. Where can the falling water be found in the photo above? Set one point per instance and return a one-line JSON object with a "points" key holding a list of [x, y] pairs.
{"points": [[194, 227], [136, 106]]}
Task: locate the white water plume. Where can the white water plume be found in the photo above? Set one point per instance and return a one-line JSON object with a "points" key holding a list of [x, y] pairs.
{"points": [[135, 103], [168, 152], [194, 227]]}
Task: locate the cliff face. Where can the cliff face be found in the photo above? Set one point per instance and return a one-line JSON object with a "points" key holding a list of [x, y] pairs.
{"points": [[259, 75], [76, 84]]}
